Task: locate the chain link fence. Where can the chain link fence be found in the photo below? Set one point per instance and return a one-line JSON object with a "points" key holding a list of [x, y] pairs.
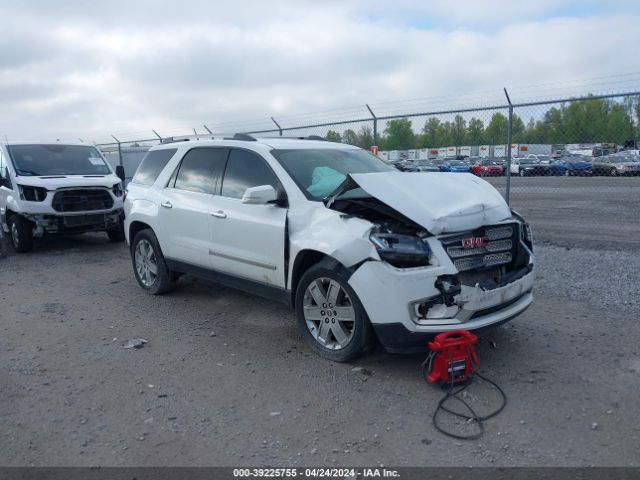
{"points": [[570, 165]]}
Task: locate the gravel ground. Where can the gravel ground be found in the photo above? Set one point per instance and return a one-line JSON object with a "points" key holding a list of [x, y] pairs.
{"points": [[225, 378]]}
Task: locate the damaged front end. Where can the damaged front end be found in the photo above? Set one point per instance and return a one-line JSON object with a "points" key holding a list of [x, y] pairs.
{"points": [[436, 275]]}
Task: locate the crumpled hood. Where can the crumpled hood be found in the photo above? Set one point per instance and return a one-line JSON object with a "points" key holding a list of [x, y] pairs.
{"points": [[439, 202], [55, 182]]}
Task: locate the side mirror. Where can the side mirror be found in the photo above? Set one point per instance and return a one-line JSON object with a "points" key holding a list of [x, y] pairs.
{"points": [[120, 172], [260, 195]]}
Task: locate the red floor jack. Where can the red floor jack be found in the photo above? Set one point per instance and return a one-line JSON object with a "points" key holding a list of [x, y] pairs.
{"points": [[451, 363]]}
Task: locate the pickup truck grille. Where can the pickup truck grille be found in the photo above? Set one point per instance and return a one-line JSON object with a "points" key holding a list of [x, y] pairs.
{"points": [[484, 247], [82, 200]]}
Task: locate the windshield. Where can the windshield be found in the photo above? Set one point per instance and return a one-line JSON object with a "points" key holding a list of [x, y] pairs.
{"points": [[40, 160], [457, 163], [625, 160], [318, 172]]}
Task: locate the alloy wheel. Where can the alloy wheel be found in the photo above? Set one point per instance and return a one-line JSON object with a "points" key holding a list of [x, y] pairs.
{"points": [[329, 313], [146, 263]]}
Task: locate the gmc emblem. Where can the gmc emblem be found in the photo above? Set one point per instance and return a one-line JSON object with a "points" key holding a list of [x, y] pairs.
{"points": [[473, 242]]}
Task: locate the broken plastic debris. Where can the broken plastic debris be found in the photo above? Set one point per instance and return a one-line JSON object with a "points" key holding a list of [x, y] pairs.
{"points": [[135, 343]]}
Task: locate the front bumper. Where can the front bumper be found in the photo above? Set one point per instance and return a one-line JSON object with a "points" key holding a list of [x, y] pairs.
{"points": [[75, 223], [389, 294]]}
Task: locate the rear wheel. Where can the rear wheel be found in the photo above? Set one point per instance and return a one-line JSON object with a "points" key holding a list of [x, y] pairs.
{"points": [[521, 173], [330, 315], [613, 172], [149, 266], [21, 234]]}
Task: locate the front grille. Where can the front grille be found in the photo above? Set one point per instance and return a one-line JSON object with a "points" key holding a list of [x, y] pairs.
{"points": [[83, 220], [484, 247], [82, 200]]}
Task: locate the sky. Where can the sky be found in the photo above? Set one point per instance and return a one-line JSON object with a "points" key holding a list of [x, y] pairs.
{"points": [[90, 69]]}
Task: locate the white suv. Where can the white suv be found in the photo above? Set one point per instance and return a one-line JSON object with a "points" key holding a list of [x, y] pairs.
{"points": [[359, 249], [57, 189]]}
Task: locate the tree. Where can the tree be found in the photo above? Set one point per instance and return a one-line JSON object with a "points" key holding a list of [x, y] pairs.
{"points": [[365, 137], [517, 129], [350, 137], [430, 133], [497, 130], [399, 134], [475, 132], [619, 125], [332, 136], [458, 131]]}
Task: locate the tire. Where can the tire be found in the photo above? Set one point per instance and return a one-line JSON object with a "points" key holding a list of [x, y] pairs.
{"points": [[566, 173], [21, 233], [163, 280], [521, 173], [358, 332], [116, 234], [613, 172]]}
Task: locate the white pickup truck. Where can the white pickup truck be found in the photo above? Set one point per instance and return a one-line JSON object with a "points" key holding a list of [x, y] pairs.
{"points": [[57, 189]]}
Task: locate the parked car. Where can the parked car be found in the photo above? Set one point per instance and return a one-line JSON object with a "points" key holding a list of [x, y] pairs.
{"points": [[48, 189], [488, 167], [529, 166], [426, 166], [558, 167], [405, 166], [360, 250], [575, 165], [623, 164], [456, 166]]}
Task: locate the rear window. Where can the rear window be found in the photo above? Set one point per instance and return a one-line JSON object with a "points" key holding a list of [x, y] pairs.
{"points": [[151, 166]]}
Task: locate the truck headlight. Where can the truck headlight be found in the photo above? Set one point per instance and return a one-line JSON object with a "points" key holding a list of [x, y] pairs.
{"points": [[117, 189], [32, 194], [402, 251]]}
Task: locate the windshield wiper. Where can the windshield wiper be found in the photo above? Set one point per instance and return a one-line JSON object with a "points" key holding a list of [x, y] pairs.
{"points": [[19, 171]]}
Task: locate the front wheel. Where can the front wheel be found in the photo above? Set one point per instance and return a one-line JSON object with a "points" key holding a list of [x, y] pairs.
{"points": [[149, 266], [332, 319], [116, 234], [21, 234]]}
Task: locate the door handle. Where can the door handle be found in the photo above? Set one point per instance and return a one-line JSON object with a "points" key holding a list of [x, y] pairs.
{"points": [[166, 204], [219, 214]]}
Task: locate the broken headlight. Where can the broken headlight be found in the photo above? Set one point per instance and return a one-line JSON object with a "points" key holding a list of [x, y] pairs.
{"points": [[402, 251], [32, 194], [117, 190]]}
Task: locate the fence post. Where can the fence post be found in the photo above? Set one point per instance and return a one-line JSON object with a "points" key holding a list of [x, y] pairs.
{"points": [[509, 139], [119, 151], [277, 125], [375, 124]]}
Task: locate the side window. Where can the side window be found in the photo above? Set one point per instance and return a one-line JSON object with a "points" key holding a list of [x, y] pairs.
{"points": [[246, 169], [200, 168], [152, 165]]}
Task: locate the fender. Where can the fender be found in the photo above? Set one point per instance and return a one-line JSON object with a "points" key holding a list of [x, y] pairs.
{"points": [[140, 210], [339, 236]]}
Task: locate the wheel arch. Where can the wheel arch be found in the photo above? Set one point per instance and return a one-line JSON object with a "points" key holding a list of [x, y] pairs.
{"points": [[135, 227], [304, 260]]}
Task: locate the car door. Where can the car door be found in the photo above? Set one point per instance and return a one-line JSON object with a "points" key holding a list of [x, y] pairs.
{"points": [[186, 203], [248, 240]]}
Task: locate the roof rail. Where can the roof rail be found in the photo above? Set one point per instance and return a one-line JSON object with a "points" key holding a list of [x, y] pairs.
{"points": [[308, 137], [173, 140], [242, 137]]}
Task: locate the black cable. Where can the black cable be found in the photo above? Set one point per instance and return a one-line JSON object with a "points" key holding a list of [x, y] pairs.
{"points": [[453, 393]]}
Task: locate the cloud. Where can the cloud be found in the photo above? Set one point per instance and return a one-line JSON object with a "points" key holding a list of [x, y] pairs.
{"points": [[91, 69]]}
